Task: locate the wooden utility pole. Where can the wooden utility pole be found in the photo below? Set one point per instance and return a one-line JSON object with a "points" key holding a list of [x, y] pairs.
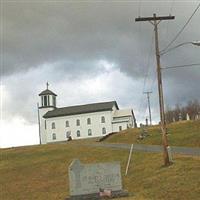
{"points": [[155, 21], [149, 106]]}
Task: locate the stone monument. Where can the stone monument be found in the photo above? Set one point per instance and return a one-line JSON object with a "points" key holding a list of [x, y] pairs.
{"points": [[95, 181]]}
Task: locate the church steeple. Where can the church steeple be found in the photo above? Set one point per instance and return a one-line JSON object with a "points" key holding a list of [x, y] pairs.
{"points": [[48, 98]]}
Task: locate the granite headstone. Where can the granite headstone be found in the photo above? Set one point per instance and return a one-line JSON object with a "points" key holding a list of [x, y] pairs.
{"points": [[87, 180]]}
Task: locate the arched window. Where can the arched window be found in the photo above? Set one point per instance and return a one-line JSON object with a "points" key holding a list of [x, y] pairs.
{"points": [[103, 130], [54, 101], [78, 122], [88, 121], [45, 101], [89, 132], [67, 124], [103, 119], [48, 101], [54, 136], [78, 133], [53, 125], [68, 134]]}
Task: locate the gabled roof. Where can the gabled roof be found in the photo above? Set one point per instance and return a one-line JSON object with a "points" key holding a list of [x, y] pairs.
{"points": [[46, 92], [80, 109], [123, 113]]}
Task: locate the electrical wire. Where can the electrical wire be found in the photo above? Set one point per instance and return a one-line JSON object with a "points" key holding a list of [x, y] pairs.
{"points": [[141, 107], [178, 34], [170, 13], [146, 72], [139, 8], [178, 66], [148, 63]]}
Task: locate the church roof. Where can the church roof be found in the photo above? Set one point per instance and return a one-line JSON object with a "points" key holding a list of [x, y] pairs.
{"points": [[81, 109], [123, 113], [46, 92]]}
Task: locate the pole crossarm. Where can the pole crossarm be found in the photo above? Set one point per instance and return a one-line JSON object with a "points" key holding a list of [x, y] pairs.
{"points": [[140, 19], [147, 92]]}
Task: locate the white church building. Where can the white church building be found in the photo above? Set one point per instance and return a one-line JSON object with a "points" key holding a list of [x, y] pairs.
{"points": [[81, 121]]}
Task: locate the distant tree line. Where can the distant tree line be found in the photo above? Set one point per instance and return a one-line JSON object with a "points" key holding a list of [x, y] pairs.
{"points": [[190, 111]]}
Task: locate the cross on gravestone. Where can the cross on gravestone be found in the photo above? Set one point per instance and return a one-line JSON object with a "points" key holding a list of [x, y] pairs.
{"points": [[77, 167]]}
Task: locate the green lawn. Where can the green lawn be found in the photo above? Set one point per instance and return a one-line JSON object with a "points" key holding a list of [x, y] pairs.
{"points": [[185, 133], [40, 172]]}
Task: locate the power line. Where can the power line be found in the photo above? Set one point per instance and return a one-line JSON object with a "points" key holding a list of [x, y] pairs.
{"points": [[145, 78], [182, 28], [189, 65], [148, 62], [170, 12], [140, 54], [171, 7], [139, 7], [141, 107]]}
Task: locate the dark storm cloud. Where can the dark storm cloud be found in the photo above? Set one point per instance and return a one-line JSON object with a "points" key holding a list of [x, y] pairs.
{"points": [[72, 37], [35, 33]]}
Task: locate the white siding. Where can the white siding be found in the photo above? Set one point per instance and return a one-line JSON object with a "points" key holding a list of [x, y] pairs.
{"points": [[113, 121], [43, 111], [124, 122], [96, 126]]}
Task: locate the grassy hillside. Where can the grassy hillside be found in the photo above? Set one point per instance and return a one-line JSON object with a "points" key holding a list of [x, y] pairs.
{"points": [[40, 172], [185, 133]]}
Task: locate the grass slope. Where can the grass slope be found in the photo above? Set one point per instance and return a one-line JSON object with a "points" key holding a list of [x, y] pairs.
{"points": [[185, 133], [40, 172]]}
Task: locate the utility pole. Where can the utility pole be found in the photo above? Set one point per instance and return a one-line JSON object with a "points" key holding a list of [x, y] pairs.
{"points": [[155, 21], [149, 106]]}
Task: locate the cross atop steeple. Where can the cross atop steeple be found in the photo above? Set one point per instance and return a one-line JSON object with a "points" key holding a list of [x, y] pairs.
{"points": [[47, 85], [48, 98]]}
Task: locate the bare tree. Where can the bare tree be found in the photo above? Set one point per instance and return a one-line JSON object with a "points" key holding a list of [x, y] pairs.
{"points": [[180, 112]]}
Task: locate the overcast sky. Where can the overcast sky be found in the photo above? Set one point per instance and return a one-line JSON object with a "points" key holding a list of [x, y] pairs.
{"points": [[91, 51]]}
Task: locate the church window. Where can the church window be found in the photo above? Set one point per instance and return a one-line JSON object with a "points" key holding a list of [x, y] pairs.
{"points": [[78, 133], [88, 121], [53, 125], [89, 132], [67, 123], [54, 101], [78, 122], [48, 100], [45, 124], [103, 130], [45, 100], [54, 136], [68, 134], [102, 119], [120, 128]]}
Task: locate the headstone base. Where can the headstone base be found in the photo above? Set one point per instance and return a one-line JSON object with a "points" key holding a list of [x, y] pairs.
{"points": [[96, 196]]}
